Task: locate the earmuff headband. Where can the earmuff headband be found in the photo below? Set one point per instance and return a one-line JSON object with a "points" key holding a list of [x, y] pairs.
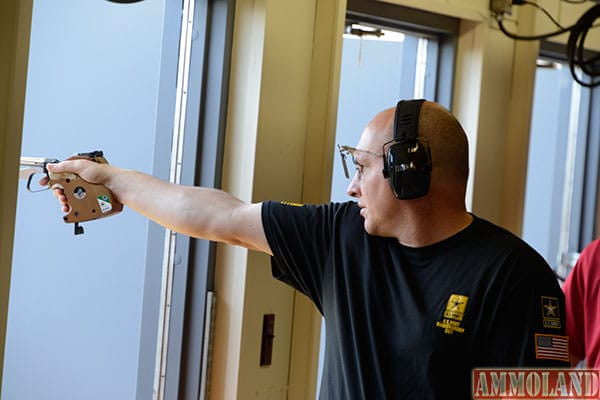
{"points": [[406, 120]]}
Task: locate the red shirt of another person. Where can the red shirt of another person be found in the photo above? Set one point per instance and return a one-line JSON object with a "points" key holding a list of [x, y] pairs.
{"points": [[582, 298]]}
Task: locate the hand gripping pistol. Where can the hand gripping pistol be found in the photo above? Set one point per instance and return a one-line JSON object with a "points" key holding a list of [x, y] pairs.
{"points": [[87, 201]]}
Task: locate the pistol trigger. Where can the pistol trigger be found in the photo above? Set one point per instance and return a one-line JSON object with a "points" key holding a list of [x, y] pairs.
{"points": [[78, 229], [29, 181]]}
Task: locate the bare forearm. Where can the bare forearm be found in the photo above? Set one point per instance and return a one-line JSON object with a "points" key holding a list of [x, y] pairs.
{"points": [[195, 211], [199, 212]]}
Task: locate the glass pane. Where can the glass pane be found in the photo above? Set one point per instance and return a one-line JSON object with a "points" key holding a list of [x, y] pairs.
{"points": [[554, 171], [76, 301]]}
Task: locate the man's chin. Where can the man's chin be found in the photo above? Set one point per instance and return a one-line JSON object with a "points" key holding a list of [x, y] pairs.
{"points": [[374, 229], [369, 228]]}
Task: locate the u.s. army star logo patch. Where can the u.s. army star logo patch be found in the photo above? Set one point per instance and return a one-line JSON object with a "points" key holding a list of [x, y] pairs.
{"points": [[454, 314], [550, 312]]}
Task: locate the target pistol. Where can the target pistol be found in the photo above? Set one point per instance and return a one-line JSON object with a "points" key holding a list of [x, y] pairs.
{"points": [[87, 201]]}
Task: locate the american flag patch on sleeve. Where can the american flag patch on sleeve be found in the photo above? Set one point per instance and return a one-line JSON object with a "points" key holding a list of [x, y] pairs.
{"points": [[551, 347]]}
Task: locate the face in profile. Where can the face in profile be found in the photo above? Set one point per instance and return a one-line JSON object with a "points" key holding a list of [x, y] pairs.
{"points": [[368, 186]]}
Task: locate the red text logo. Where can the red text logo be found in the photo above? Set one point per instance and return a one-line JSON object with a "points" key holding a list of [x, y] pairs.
{"points": [[572, 384]]}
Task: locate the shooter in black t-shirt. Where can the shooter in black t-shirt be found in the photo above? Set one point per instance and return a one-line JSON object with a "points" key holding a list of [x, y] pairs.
{"points": [[415, 290]]}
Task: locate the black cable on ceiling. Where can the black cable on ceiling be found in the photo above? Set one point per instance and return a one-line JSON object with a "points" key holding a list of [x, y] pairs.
{"points": [[577, 57]]}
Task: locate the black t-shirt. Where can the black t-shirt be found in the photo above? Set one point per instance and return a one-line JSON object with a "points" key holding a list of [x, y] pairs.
{"points": [[412, 323]]}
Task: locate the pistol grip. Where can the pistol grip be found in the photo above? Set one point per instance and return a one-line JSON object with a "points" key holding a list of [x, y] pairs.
{"points": [[87, 201]]}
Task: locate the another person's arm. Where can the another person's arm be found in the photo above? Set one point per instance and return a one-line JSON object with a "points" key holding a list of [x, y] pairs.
{"points": [[199, 212]]}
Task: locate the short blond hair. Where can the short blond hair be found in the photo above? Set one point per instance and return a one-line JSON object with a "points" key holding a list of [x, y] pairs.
{"points": [[447, 140]]}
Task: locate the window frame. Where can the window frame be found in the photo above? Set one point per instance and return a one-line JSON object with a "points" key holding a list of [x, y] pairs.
{"points": [[201, 165], [586, 227], [401, 18], [584, 211]]}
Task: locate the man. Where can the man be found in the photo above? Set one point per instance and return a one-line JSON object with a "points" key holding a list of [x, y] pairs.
{"points": [[415, 290]]}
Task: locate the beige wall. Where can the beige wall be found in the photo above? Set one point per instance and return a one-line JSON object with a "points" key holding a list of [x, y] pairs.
{"points": [[283, 96], [566, 14], [15, 20]]}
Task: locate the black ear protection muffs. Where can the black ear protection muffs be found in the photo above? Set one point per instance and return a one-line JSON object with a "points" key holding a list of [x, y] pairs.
{"points": [[406, 159]]}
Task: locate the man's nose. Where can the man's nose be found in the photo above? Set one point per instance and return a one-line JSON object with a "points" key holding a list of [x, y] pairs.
{"points": [[353, 188]]}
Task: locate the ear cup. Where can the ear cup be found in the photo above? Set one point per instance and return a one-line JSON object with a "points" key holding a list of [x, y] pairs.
{"points": [[407, 160], [409, 169]]}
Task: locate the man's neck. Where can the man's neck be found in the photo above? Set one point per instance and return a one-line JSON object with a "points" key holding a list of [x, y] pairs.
{"points": [[433, 228]]}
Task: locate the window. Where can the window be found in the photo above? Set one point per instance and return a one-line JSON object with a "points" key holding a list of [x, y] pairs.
{"points": [[563, 162], [129, 82]]}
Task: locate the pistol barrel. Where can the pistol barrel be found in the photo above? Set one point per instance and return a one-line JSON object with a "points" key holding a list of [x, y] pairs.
{"points": [[39, 162]]}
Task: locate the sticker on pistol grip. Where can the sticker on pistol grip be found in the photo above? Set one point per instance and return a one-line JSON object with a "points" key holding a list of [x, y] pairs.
{"points": [[104, 203], [79, 193]]}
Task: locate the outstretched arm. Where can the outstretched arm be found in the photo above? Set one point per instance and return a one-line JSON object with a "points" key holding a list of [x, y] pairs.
{"points": [[195, 211]]}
